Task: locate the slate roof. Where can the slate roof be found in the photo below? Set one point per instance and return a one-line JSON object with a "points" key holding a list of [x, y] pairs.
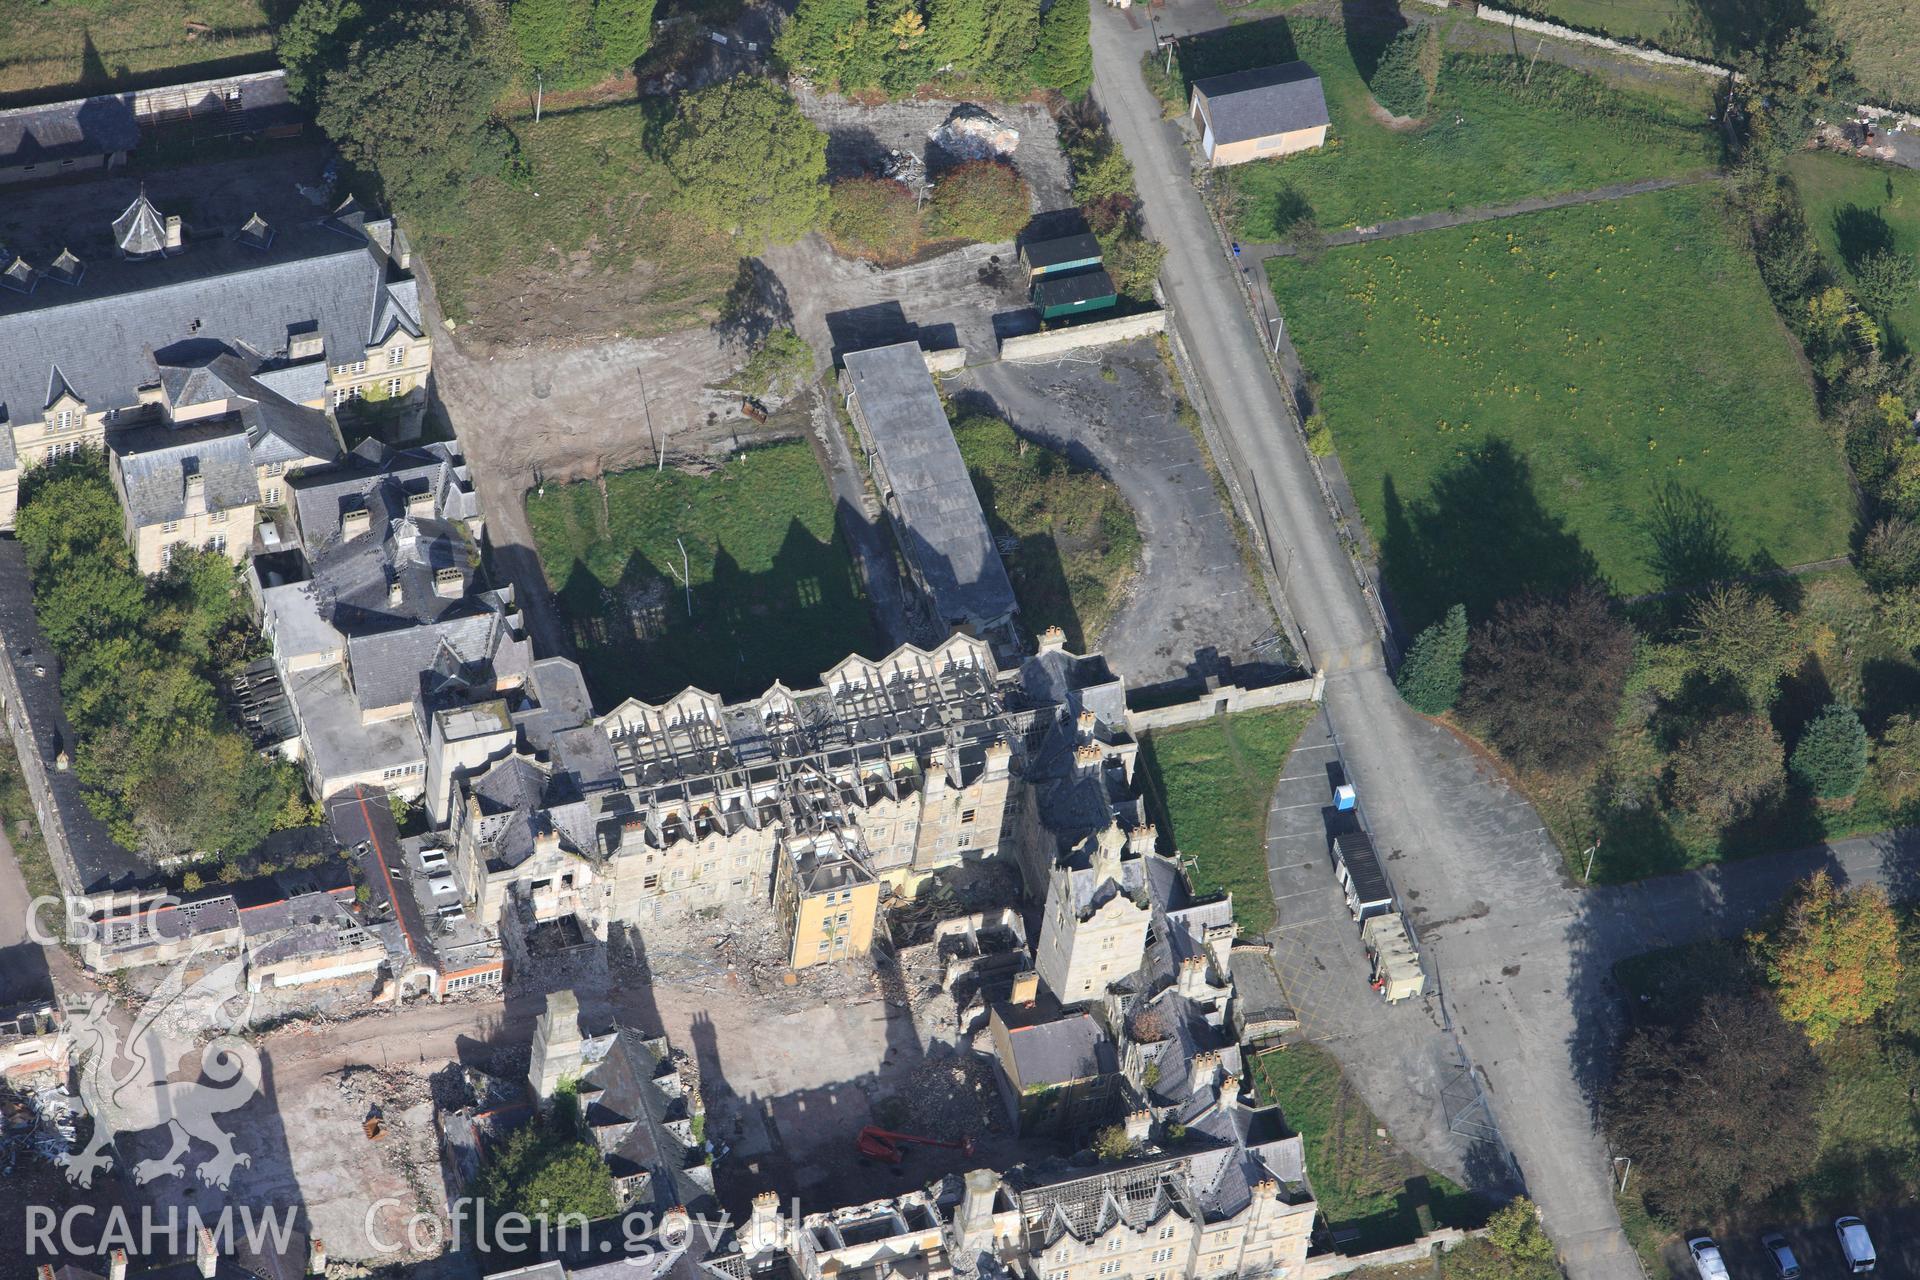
{"points": [[1056, 1051], [58, 131], [468, 649], [155, 460], [278, 429], [639, 1116], [1263, 101], [942, 528], [1081, 247], [106, 332]]}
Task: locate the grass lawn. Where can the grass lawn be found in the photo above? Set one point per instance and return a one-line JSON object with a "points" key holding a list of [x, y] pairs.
{"points": [[1360, 1178], [23, 826], [1079, 545], [1867, 1158], [1526, 403], [1488, 138], [67, 48], [1209, 785], [596, 207], [774, 591], [1855, 208]]}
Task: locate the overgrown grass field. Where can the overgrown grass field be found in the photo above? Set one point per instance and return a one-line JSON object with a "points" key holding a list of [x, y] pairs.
{"points": [[1529, 402], [1361, 1179], [1878, 34], [1079, 545], [774, 595], [1209, 786], [594, 206], [1855, 208], [1495, 131], [51, 49]]}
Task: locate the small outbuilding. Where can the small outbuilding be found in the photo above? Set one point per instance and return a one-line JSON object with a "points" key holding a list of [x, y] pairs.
{"points": [[1254, 115], [1059, 257], [1059, 297]]}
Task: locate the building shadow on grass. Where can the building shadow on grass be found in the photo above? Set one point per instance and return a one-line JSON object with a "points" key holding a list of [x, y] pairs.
{"points": [[735, 633], [1370, 26], [1238, 48], [1735, 27], [1477, 536]]}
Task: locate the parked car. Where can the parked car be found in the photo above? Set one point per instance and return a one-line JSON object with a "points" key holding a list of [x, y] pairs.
{"points": [[1706, 1258], [1856, 1246], [443, 884], [431, 858], [1781, 1252]]}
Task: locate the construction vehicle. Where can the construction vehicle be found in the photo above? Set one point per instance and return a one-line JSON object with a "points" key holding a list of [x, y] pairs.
{"points": [[884, 1144]]}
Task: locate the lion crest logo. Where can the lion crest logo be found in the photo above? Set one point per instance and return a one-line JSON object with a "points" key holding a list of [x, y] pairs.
{"points": [[124, 1080]]}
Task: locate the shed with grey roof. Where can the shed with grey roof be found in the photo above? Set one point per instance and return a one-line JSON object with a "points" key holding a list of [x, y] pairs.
{"points": [[62, 138], [1259, 114], [924, 482]]}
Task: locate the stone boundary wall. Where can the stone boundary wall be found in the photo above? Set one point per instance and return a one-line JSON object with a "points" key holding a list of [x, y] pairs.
{"points": [[33, 768], [1225, 700], [952, 360], [1502, 17], [1035, 346], [1329, 1265]]}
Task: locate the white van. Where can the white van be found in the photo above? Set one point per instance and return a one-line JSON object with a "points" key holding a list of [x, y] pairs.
{"points": [[1706, 1258], [1856, 1246]]}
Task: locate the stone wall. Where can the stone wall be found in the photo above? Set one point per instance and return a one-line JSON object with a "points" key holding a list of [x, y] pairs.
{"points": [[1037, 346], [1225, 700], [1328, 1265], [1523, 23]]}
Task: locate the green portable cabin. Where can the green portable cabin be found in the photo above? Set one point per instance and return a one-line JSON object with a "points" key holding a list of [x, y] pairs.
{"points": [[1058, 297], [1058, 257]]}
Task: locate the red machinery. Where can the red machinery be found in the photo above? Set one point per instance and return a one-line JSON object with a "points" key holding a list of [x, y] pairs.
{"points": [[884, 1144]]}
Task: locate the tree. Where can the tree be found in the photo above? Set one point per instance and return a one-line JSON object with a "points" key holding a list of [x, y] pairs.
{"points": [[1884, 281], [1834, 960], [873, 218], [981, 200], [1011, 33], [1746, 638], [623, 32], [310, 41], [1890, 554], [1719, 1111], [1429, 679], [1543, 677], [409, 99], [1728, 767], [1063, 59], [1112, 1143], [747, 161], [1896, 761], [818, 39], [1515, 1231], [544, 1170], [1832, 755], [550, 35]]}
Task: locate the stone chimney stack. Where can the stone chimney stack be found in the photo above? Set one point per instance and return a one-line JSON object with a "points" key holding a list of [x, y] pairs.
{"points": [[557, 1046], [999, 757], [1085, 725], [1203, 1071], [117, 1265], [766, 1232], [1143, 838], [1139, 1125], [1192, 979], [1108, 846], [1053, 640], [316, 1257], [44, 1271], [205, 1256], [976, 1210], [1026, 987]]}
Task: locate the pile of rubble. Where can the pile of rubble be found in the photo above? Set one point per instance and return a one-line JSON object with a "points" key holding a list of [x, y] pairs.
{"points": [[39, 1122], [737, 949], [972, 133], [952, 1097]]}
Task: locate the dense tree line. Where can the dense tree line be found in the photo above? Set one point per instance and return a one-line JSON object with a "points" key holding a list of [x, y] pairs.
{"points": [[159, 763], [1008, 46]]}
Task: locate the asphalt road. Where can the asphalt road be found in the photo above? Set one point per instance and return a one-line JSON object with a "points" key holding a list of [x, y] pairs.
{"points": [[1471, 860]]}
